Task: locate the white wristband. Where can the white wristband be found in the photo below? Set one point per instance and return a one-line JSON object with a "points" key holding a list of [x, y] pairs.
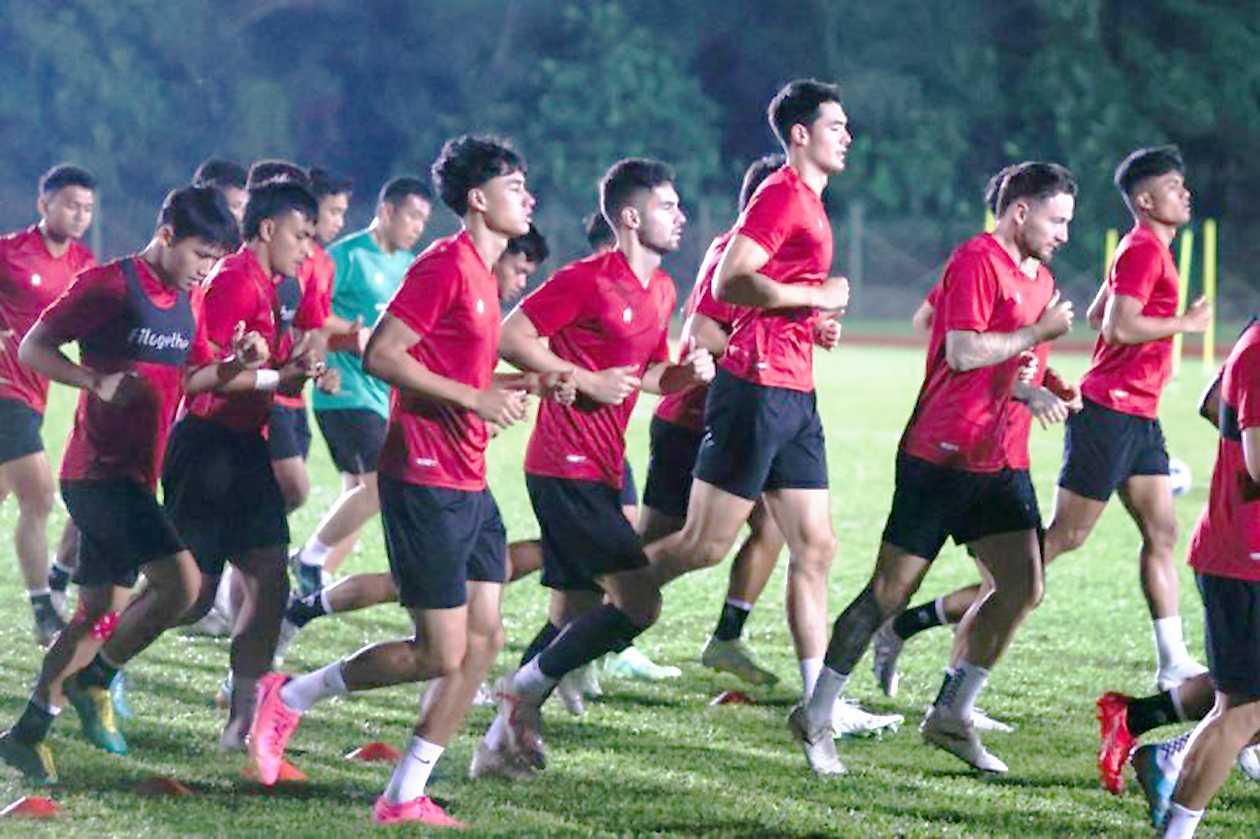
{"points": [[266, 379]]}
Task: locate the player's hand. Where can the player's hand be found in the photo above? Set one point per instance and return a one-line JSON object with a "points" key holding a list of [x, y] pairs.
{"points": [[698, 363], [1065, 390], [249, 348], [1046, 407], [330, 382], [560, 386], [362, 334], [833, 294], [1028, 366], [610, 386], [119, 388], [827, 333], [1056, 320], [1198, 316], [501, 406]]}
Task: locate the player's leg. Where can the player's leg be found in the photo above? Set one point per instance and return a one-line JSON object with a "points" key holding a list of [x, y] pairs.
{"points": [[1122, 719], [1211, 753], [295, 482], [265, 585], [30, 480], [63, 565], [524, 558]]}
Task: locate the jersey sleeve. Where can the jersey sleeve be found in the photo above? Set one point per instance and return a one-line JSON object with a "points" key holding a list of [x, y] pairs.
{"points": [[558, 301], [1137, 270], [1247, 376], [427, 291], [92, 299], [967, 294], [769, 218]]}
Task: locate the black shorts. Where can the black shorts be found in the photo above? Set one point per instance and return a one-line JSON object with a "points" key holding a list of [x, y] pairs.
{"points": [[220, 492], [19, 430], [1103, 448], [760, 438], [671, 459], [288, 433], [629, 491], [584, 533], [1232, 628], [121, 527], [355, 437], [932, 503], [438, 539]]}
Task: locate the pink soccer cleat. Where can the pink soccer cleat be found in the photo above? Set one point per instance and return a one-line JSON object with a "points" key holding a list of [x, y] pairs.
{"points": [[274, 724], [423, 810], [1115, 742]]}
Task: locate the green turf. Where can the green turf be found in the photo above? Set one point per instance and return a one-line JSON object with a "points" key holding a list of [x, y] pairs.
{"points": [[657, 758]]}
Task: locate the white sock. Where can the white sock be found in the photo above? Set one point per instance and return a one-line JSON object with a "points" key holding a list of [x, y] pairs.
{"points": [[810, 668], [740, 604], [1181, 822], [325, 602], [1170, 645], [822, 699], [38, 592], [1175, 696], [969, 681], [301, 692], [412, 772], [530, 681], [314, 552], [939, 605]]}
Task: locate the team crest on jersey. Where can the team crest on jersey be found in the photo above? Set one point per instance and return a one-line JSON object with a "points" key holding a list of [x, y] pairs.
{"points": [[627, 315], [36, 279], [481, 306], [378, 278]]}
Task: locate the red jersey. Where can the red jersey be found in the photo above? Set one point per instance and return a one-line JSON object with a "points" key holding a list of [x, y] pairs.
{"points": [[314, 282], [30, 279], [1226, 540], [1130, 377], [125, 318], [686, 407], [238, 289], [970, 421], [450, 299], [775, 347], [596, 314]]}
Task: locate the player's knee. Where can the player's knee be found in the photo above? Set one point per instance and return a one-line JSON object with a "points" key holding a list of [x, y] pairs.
{"points": [[706, 551], [1161, 537], [643, 608], [1061, 540], [36, 501]]}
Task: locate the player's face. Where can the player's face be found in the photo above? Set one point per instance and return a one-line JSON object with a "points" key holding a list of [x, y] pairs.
{"points": [[829, 139], [508, 206], [403, 223], [186, 263], [512, 272], [236, 199], [332, 216], [1169, 198], [68, 212], [292, 236], [1044, 226], [661, 219]]}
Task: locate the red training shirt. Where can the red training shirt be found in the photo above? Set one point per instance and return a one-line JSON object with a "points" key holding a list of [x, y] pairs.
{"points": [[597, 314], [315, 278]]}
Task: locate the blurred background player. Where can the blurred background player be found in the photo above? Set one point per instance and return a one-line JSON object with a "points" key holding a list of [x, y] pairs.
{"points": [[229, 178]]}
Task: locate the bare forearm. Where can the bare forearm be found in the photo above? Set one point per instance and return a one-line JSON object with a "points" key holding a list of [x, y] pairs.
{"points": [[1140, 329], [410, 376], [758, 291], [51, 362], [223, 377], [972, 350]]}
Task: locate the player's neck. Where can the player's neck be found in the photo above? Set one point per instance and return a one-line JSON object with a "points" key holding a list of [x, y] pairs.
{"points": [[489, 244], [1164, 232], [809, 172], [152, 256], [1004, 235], [57, 245], [263, 254], [374, 230], [643, 260]]}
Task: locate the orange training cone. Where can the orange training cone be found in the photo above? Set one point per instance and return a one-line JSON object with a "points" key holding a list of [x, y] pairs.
{"points": [[375, 752], [31, 807]]}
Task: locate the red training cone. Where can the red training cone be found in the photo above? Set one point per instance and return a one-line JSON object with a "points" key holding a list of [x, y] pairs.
{"points": [[160, 786], [288, 772], [32, 807], [732, 697], [375, 752]]}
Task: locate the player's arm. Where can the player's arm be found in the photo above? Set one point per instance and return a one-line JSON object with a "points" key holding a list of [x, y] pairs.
{"points": [[1094, 314], [739, 282], [523, 346], [1124, 323], [696, 368], [1044, 405], [706, 333], [966, 350], [1210, 400], [921, 320], [1251, 452], [41, 351]]}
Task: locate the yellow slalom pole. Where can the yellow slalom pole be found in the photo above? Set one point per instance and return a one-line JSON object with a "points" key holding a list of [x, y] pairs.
{"points": [[1184, 255], [1209, 291], [989, 221], [1110, 241]]}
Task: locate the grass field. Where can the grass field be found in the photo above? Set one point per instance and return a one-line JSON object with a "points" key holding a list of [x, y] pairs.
{"points": [[656, 758]]}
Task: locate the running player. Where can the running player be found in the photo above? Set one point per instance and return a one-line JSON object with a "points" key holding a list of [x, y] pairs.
{"points": [[230, 178], [962, 467], [135, 327], [36, 266]]}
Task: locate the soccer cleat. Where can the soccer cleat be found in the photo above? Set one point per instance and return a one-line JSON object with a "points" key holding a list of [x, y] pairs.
{"points": [[484, 697], [33, 760], [488, 762], [735, 658], [958, 737], [274, 724], [984, 722], [118, 695], [223, 694], [288, 631], [524, 725], [95, 707], [818, 744], [1115, 743], [1157, 785], [887, 648], [848, 719], [309, 578], [1249, 762], [47, 626], [1167, 678], [570, 692], [423, 810], [214, 624], [588, 680], [631, 663]]}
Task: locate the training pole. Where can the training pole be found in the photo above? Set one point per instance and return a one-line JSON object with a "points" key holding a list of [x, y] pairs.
{"points": [[1184, 254], [1209, 291]]}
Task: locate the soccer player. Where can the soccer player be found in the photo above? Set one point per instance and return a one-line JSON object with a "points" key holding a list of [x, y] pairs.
{"points": [[230, 178], [605, 317], [599, 236], [139, 353], [36, 266], [370, 265], [1115, 443], [962, 467]]}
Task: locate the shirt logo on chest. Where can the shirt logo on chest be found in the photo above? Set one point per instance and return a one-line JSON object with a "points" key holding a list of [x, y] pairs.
{"points": [[378, 278], [481, 306], [627, 315], [36, 279]]}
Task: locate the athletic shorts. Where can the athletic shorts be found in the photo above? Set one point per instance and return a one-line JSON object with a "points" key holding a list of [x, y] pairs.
{"points": [[932, 503], [220, 492], [288, 433], [19, 430], [759, 438], [355, 437], [121, 527], [629, 491], [1103, 448], [584, 533], [670, 462], [1232, 628], [438, 539]]}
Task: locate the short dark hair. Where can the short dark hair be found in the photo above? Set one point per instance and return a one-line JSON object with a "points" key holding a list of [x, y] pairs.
{"points": [[993, 188], [1146, 163], [220, 173], [266, 171], [200, 211], [1036, 180], [327, 182], [275, 198], [396, 190], [798, 102], [625, 179], [468, 161], [532, 244], [598, 233], [758, 171], [63, 175]]}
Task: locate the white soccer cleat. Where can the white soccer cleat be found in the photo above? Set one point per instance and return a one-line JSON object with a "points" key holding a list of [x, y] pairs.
{"points": [[958, 737], [488, 762], [1249, 762], [848, 719], [484, 697], [631, 663], [735, 658], [1167, 678], [887, 648], [524, 725], [818, 744], [588, 680], [569, 690], [984, 722]]}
